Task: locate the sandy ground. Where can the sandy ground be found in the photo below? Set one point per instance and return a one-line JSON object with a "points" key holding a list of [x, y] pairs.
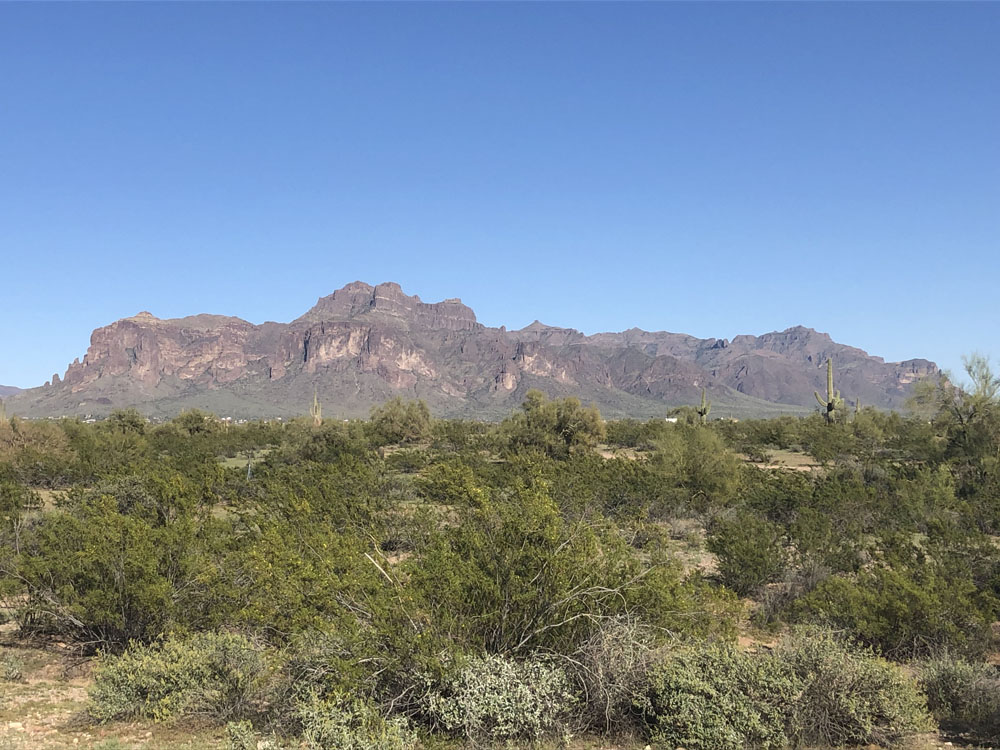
{"points": [[45, 710]]}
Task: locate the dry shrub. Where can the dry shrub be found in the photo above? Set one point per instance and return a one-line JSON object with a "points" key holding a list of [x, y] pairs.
{"points": [[610, 668]]}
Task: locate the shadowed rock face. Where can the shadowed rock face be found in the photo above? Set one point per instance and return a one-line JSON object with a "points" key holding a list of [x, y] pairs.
{"points": [[362, 345]]}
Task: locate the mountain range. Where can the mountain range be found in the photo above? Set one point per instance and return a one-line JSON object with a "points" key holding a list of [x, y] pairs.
{"points": [[364, 344]]}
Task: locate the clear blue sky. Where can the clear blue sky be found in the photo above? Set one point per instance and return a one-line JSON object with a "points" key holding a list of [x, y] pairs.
{"points": [[709, 168]]}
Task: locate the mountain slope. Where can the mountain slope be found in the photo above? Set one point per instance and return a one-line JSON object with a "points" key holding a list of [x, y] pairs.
{"points": [[362, 345]]}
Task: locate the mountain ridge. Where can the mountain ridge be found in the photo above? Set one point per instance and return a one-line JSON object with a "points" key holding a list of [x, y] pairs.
{"points": [[363, 344]]}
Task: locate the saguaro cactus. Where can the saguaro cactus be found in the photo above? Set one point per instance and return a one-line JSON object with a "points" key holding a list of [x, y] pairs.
{"points": [[833, 402], [316, 410], [3, 413], [705, 408]]}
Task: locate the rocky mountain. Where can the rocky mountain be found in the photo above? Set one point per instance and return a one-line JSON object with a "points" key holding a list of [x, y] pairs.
{"points": [[365, 344], [8, 390]]}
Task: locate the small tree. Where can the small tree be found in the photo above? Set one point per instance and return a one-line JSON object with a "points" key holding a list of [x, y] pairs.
{"points": [[399, 421], [555, 426], [197, 422]]}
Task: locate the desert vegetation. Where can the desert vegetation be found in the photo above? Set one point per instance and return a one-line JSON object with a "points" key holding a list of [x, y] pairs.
{"points": [[549, 580]]}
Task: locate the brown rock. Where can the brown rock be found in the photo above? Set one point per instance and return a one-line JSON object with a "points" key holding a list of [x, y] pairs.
{"points": [[364, 344]]}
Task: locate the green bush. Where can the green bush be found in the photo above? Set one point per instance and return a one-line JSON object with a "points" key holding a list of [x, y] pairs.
{"points": [[750, 551], [631, 433], [101, 577], [554, 427], [399, 421], [336, 723], [15, 499], [814, 690], [451, 483], [904, 612], [697, 463], [496, 699], [324, 661], [220, 676], [963, 696], [515, 576], [719, 698], [848, 695], [407, 461]]}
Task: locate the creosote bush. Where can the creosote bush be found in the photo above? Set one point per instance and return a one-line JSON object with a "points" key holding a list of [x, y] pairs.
{"points": [[904, 611], [750, 552], [495, 699], [399, 421]]}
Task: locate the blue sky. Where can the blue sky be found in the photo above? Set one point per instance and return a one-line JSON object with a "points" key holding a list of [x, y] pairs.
{"points": [[713, 169]]}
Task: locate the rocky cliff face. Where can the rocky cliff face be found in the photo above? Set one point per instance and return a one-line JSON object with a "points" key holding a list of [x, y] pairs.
{"points": [[388, 304], [364, 344]]}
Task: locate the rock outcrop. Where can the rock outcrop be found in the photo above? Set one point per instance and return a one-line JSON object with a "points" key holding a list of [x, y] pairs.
{"points": [[364, 344]]}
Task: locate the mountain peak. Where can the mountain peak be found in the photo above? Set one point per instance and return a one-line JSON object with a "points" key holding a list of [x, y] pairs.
{"points": [[388, 302], [536, 325]]}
